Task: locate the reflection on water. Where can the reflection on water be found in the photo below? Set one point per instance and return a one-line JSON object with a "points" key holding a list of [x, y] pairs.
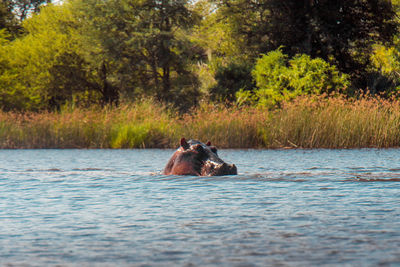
{"points": [[114, 208]]}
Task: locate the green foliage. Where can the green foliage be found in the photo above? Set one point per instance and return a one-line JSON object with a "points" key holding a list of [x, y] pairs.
{"points": [[13, 13], [45, 68], [231, 79], [248, 24], [139, 46], [342, 33], [279, 78], [7, 18], [27, 61], [215, 34], [84, 52], [23, 8], [226, 68], [13, 95], [385, 66], [386, 59]]}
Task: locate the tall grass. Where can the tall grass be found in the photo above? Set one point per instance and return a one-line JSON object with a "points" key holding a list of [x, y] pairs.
{"points": [[307, 122], [226, 127], [320, 122], [138, 126]]}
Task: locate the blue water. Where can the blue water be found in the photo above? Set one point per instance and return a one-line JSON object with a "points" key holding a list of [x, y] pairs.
{"points": [[285, 208]]}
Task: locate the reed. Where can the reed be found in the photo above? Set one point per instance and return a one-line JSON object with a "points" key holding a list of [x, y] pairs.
{"points": [[336, 122], [306, 122], [225, 127], [144, 124]]}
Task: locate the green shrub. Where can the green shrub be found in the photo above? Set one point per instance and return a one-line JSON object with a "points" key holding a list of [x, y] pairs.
{"points": [[279, 78]]}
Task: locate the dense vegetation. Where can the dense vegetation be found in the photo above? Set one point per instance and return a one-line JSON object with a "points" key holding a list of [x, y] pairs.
{"points": [[306, 122], [119, 73]]}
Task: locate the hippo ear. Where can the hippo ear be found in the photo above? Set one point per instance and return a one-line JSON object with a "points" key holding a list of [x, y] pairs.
{"points": [[208, 143], [184, 144]]}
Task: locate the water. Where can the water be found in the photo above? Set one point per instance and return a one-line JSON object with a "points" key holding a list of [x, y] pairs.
{"points": [[114, 208]]}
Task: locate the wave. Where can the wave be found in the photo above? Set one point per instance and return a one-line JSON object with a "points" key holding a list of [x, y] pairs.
{"points": [[313, 174], [302, 176]]}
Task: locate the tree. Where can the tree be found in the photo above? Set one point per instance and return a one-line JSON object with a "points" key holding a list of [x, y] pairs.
{"points": [[341, 32], [7, 18], [13, 12], [141, 47], [215, 35], [231, 79], [22, 8], [386, 59], [43, 69]]}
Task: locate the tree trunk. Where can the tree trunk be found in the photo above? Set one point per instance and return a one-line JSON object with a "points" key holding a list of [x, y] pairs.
{"points": [[110, 93], [166, 83], [308, 9]]}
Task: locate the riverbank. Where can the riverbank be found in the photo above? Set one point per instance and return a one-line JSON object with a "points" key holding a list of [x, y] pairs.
{"points": [[308, 122]]}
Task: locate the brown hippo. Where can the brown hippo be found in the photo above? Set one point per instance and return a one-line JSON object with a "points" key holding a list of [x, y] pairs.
{"points": [[196, 158]]}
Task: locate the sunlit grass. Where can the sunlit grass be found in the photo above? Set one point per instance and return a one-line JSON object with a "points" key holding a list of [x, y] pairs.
{"points": [[307, 122], [226, 127], [337, 122]]}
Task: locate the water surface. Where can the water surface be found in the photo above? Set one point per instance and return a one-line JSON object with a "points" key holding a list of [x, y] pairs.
{"points": [[114, 208]]}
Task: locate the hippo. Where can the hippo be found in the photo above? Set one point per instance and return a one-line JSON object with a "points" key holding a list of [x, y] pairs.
{"points": [[198, 159]]}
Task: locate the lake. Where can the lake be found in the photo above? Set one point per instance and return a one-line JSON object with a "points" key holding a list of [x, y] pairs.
{"points": [[285, 208]]}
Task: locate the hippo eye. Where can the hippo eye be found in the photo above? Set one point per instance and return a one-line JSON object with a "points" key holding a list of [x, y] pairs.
{"points": [[198, 148], [213, 149]]}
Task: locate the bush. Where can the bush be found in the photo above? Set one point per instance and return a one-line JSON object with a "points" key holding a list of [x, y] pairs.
{"points": [[230, 79], [279, 78]]}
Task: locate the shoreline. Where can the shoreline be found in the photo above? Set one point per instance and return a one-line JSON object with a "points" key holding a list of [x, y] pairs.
{"points": [[306, 123]]}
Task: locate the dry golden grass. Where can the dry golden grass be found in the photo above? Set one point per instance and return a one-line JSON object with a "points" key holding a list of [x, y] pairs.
{"points": [[307, 122], [225, 127], [141, 125], [336, 122]]}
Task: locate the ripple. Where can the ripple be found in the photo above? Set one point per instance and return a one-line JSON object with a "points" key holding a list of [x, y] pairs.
{"points": [[375, 179], [114, 208], [90, 169]]}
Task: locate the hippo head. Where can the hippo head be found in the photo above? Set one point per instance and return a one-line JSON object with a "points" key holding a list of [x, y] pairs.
{"points": [[196, 158]]}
